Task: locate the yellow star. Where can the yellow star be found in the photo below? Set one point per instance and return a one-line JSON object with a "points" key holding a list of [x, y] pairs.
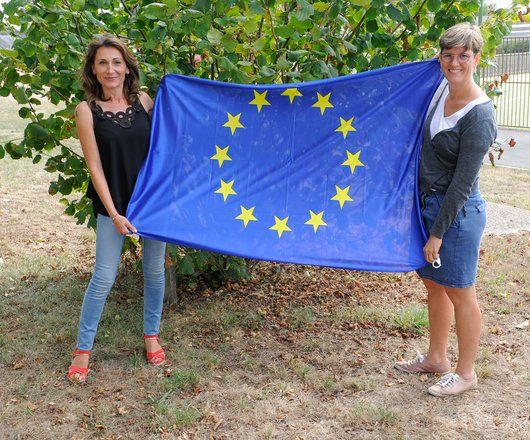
{"points": [[316, 220], [353, 161], [233, 122], [323, 102], [291, 93], [342, 195], [247, 215], [345, 126], [221, 154], [226, 189], [260, 99], [280, 225]]}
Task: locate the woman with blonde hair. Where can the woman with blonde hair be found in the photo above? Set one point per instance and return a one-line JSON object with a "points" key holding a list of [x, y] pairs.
{"points": [[459, 129], [113, 126]]}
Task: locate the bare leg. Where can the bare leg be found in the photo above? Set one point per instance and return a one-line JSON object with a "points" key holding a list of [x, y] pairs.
{"points": [[468, 328], [440, 318]]}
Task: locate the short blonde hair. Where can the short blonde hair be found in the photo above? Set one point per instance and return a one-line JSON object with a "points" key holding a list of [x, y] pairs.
{"points": [[462, 35]]}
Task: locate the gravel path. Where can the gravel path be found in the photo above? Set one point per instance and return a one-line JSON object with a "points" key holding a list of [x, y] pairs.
{"points": [[505, 219]]}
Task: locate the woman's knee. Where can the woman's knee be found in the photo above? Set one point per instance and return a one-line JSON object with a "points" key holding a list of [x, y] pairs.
{"points": [[102, 279], [154, 258], [462, 296]]}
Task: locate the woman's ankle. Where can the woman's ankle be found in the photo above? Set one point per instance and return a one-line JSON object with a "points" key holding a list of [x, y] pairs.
{"points": [[80, 359], [436, 358], [466, 374]]}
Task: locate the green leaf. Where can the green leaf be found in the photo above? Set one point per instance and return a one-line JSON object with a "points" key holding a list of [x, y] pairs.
{"points": [[202, 5], [228, 43], [334, 11], [394, 13], [186, 266], [284, 31], [259, 44], [77, 5], [305, 10], [320, 6], [362, 3], [2, 152], [36, 131], [154, 11], [20, 95], [214, 36], [267, 71], [9, 53], [24, 112], [434, 5], [282, 63], [66, 187]]}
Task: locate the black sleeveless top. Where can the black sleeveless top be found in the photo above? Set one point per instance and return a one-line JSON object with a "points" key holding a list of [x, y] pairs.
{"points": [[123, 143]]}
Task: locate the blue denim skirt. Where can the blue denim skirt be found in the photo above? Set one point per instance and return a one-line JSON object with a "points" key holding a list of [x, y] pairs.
{"points": [[460, 244]]}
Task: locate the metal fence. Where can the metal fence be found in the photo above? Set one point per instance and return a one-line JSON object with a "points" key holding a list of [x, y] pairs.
{"points": [[513, 58]]}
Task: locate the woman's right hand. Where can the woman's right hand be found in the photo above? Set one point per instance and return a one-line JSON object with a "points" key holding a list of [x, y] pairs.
{"points": [[122, 225]]}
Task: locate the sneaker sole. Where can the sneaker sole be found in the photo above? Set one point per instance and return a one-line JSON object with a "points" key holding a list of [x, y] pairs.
{"points": [[436, 394]]}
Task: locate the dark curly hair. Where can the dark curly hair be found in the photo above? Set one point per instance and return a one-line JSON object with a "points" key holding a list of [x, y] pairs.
{"points": [[89, 82]]}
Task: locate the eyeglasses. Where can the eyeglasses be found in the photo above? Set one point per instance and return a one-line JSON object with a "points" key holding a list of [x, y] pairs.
{"points": [[462, 58]]}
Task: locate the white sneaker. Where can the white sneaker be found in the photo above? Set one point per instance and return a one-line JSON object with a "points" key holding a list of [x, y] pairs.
{"points": [[452, 384]]}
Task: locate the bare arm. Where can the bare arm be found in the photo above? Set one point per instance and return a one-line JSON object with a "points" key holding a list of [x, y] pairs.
{"points": [[147, 102], [85, 129]]}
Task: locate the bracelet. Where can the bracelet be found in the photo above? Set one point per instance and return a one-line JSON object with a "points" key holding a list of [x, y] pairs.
{"points": [[114, 216]]}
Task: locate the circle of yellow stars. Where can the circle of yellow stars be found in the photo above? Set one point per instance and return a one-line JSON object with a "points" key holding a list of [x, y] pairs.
{"points": [[341, 196]]}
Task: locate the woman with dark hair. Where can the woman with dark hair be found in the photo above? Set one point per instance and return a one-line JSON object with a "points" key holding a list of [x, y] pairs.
{"points": [[113, 126], [457, 134]]}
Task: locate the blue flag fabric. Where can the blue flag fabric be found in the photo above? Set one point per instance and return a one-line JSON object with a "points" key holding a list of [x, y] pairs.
{"points": [[320, 173]]}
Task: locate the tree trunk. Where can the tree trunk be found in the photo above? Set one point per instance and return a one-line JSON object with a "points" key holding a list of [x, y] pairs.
{"points": [[170, 293]]}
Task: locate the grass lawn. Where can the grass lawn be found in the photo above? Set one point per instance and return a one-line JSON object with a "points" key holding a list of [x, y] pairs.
{"points": [[296, 352]]}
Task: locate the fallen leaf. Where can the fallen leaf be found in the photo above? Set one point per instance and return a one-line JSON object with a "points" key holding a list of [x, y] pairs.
{"points": [[121, 410], [504, 77], [512, 143], [18, 365], [522, 325], [31, 406]]}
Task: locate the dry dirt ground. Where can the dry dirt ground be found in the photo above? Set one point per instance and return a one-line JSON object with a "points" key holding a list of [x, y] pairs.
{"points": [[295, 353]]}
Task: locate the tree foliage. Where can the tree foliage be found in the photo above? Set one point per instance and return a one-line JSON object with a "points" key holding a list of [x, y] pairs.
{"points": [[256, 41]]}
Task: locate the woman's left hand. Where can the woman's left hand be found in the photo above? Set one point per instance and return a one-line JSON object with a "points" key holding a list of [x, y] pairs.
{"points": [[432, 248], [122, 225]]}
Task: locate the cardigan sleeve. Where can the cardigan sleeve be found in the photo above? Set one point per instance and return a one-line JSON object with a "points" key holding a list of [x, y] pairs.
{"points": [[475, 140]]}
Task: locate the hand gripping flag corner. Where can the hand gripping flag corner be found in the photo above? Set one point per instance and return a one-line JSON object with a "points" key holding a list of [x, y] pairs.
{"points": [[320, 173]]}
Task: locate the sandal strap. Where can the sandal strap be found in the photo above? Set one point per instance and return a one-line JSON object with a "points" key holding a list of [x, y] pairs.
{"points": [[151, 337], [79, 352], [74, 369], [154, 354]]}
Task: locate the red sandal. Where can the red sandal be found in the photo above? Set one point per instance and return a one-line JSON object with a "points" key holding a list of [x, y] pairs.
{"points": [[155, 358], [75, 373]]}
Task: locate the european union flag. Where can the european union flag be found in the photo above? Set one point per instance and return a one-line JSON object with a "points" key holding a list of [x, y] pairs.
{"points": [[320, 173]]}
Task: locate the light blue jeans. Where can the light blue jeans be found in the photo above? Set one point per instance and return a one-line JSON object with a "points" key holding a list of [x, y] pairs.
{"points": [[108, 250]]}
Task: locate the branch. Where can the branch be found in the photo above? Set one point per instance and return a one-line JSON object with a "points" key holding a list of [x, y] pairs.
{"points": [[77, 30], [131, 13], [413, 18]]}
